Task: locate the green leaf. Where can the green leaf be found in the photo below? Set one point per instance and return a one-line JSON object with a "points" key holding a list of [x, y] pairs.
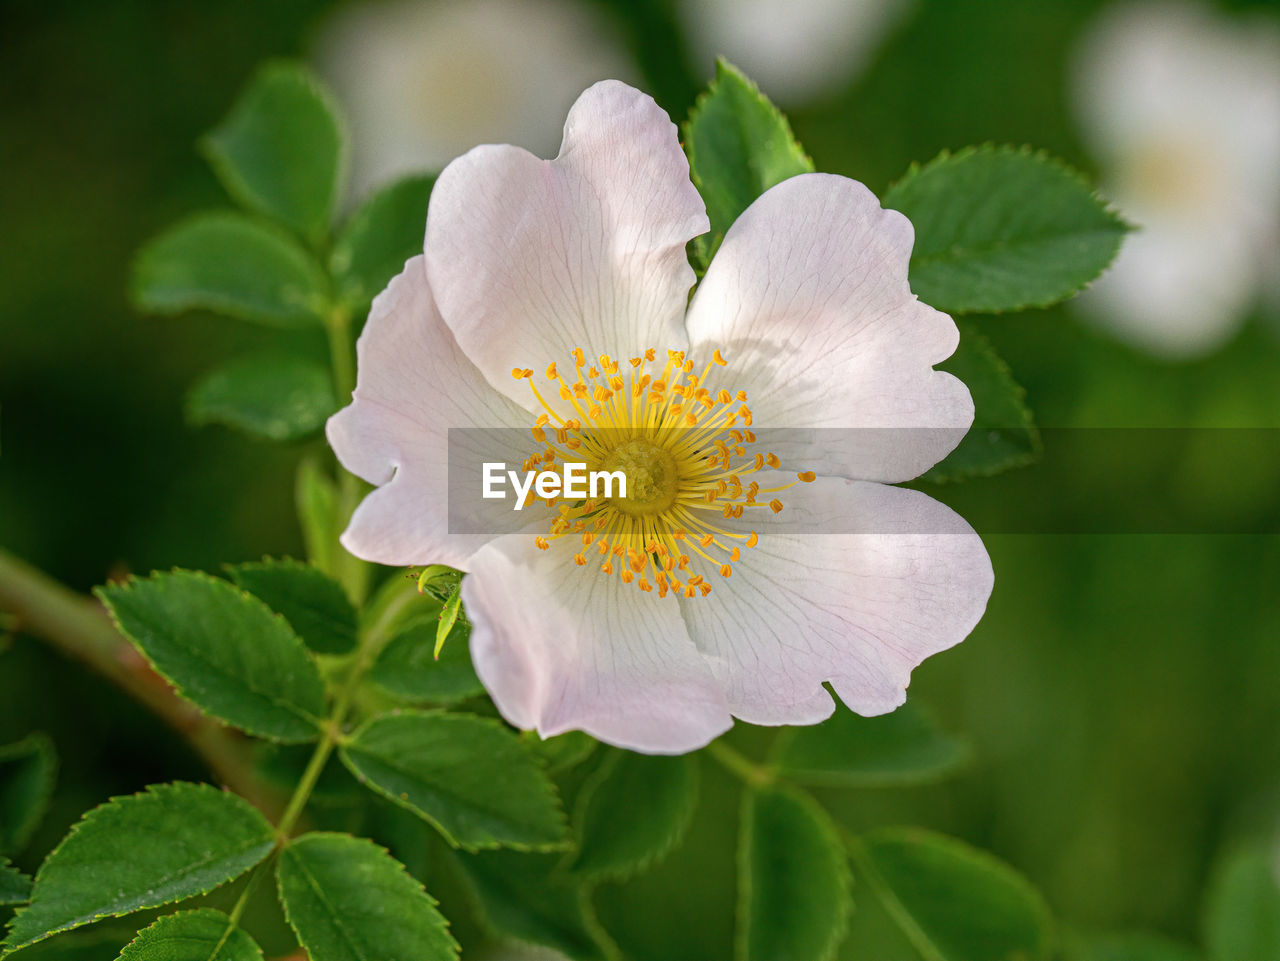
{"points": [[469, 776], [281, 149], [375, 243], [407, 667], [1003, 435], [954, 902], [739, 146], [526, 897], [1003, 229], [793, 880], [905, 747], [228, 264], [202, 935], [171, 842], [224, 650], [315, 605], [349, 900], [15, 887], [270, 395], [1242, 915], [27, 772], [1129, 946], [563, 751], [664, 789], [316, 497]]}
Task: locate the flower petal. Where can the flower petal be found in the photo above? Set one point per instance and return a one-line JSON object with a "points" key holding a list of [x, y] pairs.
{"points": [[531, 258], [808, 300], [561, 647], [414, 384], [900, 577]]}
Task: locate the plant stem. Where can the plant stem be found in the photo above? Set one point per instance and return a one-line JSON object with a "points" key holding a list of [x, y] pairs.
{"points": [[739, 765], [78, 627]]}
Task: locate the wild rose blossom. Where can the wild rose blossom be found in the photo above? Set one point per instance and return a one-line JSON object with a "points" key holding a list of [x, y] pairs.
{"points": [[552, 297]]}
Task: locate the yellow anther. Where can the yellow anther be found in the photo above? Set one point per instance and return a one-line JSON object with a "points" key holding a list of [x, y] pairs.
{"points": [[587, 538], [708, 539], [759, 462], [725, 398], [775, 505], [645, 585], [626, 575], [538, 434], [551, 371], [607, 567], [705, 589], [753, 540], [772, 460], [650, 354], [719, 360], [579, 358], [636, 361], [580, 560], [541, 543], [520, 374], [725, 570], [749, 437], [807, 476], [735, 555]]}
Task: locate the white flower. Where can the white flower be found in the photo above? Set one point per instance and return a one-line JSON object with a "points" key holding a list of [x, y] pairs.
{"points": [[649, 623], [795, 49], [1182, 108], [424, 80]]}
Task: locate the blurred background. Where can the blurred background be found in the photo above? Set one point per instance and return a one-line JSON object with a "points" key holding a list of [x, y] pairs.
{"points": [[1122, 692]]}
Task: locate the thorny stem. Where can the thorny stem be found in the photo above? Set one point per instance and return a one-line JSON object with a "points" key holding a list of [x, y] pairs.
{"points": [[78, 627]]}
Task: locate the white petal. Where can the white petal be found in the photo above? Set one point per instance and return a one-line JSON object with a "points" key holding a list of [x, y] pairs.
{"points": [[531, 258], [900, 577], [414, 384], [426, 81], [1179, 288], [808, 300], [561, 647]]}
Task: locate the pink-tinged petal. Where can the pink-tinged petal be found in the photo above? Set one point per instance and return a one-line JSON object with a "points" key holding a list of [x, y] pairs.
{"points": [[414, 384], [898, 578], [531, 258], [808, 300], [561, 647]]}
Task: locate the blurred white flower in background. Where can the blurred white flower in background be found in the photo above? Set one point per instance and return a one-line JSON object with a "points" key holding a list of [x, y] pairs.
{"points": [[426, 80], [794, 49], [1181, 107]]}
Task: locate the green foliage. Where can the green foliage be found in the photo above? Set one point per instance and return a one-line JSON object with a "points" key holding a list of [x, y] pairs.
{"points": [[905, 747], [1003, 435], [315, 605], [1242, 917], [224, 650], [230, 264], [316, 497], [1129, 946], [15, 887], [171, 842], [564, 751], [1003, 229], [739, 145], [407, 667], [201, 935], [27, 772], [281, 149], [468, 776], [793, 879], [271, 395], [374, 244], [954, 902], [613, 845], [526, 897], [349, 900]]}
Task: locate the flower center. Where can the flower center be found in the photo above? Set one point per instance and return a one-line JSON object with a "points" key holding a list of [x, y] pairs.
{"points": [[684, 448], [652, 479]]}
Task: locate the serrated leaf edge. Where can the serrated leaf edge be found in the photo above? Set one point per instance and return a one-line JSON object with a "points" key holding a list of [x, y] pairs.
{"points": [[539, 762], [149, 790], [134, 579]]}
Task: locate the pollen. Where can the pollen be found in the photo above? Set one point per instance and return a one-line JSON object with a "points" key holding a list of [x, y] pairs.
{"points": [[682, 439]]}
